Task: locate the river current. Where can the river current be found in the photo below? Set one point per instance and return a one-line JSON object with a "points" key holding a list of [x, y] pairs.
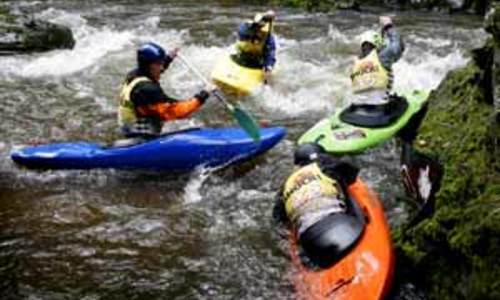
{"points": [[108, 234]]}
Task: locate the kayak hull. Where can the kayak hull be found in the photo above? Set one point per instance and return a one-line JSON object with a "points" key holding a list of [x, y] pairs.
{"points": [[235, 79], [181, 151], [366, 272], [337, 137]]}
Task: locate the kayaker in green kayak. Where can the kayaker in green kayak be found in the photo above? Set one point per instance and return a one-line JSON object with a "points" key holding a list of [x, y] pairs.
{"points": [[313, 199], [371, 74], [256, 47], [144, 106]]}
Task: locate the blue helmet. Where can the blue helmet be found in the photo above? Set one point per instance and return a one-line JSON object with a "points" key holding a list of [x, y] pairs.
{"points": [[248, 31], [149, 53]]}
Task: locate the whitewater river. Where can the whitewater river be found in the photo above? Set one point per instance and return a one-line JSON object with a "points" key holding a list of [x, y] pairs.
{"points": [[108, 234]]}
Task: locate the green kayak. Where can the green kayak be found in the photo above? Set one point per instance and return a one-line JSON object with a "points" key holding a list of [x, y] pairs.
{"points": [[357, 128]]}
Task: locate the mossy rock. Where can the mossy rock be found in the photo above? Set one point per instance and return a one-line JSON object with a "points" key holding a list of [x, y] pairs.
{"points": [[454, 254]]}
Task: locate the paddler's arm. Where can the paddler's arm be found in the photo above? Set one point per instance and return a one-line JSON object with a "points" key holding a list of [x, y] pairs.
{"points": [[342, 170], [394, 47], [180, 109], [269, 53], [150, 100], [279, 212]]}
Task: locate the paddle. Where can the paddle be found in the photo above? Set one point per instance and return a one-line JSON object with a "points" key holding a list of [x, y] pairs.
{"points": [[244, 119], [266, 79], [422, 179]]}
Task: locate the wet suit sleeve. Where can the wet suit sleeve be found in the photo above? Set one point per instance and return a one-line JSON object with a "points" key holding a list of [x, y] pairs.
{"points": [[150, 100], [394, 48], [279, 212], [344, 172], [270, 52]]}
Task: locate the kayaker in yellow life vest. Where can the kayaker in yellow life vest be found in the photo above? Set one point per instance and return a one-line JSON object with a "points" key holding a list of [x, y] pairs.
{"points": [[256, 47], [313, 201], [144, 106], [371, 75]]}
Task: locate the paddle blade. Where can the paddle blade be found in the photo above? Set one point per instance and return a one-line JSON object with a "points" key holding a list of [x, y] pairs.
{"points": [[247, 123]]}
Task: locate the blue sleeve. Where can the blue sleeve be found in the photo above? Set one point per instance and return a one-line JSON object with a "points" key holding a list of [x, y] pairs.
{"points": [[394, 48], [270, 52]]}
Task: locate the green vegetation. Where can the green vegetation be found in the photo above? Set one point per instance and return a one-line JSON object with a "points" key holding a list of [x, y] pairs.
{"points": [[477, 6], [454, 253]]}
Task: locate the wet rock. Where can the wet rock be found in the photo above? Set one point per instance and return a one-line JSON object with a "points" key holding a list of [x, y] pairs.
{"points": [[21, 34]]}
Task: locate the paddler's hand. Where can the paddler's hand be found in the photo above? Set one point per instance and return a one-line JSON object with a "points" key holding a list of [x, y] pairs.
{"points": [[170, 57], [269, 16], [267, 74], [385, 22], [204, 94], [173, 52]]}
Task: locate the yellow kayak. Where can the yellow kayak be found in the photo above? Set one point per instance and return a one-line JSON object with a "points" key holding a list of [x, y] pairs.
{"points": [[233, 78]]}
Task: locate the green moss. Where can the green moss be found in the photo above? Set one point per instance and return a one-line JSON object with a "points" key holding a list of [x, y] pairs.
{"points": [[5, 16], [454, 254]]}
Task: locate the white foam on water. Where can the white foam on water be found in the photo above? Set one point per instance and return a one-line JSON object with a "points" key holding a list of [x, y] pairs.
{"points": [[92, 44], [192, 190], [425, 72]]}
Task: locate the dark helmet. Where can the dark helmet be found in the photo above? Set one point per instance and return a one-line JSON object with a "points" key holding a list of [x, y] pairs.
{"points": [[149, 53], [306, 154], [248, 30]]}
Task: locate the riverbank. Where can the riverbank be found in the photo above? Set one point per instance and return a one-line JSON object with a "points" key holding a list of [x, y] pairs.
{"points": [[473, 7], [454, 253]]}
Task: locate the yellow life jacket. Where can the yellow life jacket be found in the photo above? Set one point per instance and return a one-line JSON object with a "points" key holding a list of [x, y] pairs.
{"points": [[126, 109], [253, 47], [368, 74], [310, 191]]}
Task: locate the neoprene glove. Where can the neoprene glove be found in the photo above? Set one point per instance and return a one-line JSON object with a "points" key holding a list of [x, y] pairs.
{"points": [[202, 96]]}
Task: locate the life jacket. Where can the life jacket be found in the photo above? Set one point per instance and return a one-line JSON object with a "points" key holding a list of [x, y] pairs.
{"points": [[309, 195], [251, 42], [251, 47], [127, 115], [368, 75]]}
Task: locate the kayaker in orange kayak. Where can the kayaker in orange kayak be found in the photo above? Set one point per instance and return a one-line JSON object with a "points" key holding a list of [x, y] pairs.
{"points": [[256, 47], [144, 106], [339, 240], [313, 200]]}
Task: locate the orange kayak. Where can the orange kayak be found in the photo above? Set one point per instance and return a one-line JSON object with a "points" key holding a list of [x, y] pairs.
{"points": [[366, 272]]}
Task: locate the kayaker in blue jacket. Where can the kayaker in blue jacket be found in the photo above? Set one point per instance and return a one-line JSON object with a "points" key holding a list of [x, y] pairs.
{"points": [[144, 106], [371, 74], [314, 198], [256, 47]]}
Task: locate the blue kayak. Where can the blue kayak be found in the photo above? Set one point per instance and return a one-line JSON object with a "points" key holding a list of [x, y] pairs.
{"points": [[179, 151]]}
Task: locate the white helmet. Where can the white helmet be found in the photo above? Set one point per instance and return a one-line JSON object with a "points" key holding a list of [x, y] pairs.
{"points": [[372, 37]]}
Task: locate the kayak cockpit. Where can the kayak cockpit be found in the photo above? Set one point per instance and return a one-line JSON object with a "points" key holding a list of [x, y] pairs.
{"points": [[330, 239], [374, 116]]}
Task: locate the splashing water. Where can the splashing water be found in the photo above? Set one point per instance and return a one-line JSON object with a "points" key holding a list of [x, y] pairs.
{"points": [[161, 236]]}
